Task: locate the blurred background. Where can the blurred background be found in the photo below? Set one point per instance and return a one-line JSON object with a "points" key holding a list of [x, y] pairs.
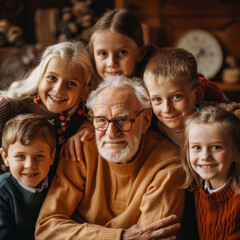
{"points": [[209, 29]]}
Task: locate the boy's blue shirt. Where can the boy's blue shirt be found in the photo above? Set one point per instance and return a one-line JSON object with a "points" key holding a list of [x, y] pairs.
{"points": [[19, 209], [44, 184]]}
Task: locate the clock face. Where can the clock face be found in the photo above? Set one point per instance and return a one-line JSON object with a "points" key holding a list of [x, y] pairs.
{"points": [[205, 48]]}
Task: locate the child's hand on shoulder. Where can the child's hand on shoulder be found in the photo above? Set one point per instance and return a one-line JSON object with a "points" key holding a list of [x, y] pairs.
{"points": [[72, 148], [232, 106]]}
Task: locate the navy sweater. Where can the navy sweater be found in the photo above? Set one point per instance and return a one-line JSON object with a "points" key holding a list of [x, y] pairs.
{"points": [[19, 209]]}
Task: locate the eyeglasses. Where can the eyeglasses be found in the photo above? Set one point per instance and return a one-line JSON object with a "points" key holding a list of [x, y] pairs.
{"points": [[123, 124]]}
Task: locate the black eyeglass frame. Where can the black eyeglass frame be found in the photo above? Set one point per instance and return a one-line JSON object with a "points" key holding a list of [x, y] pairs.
{"points": [[132, 120]]}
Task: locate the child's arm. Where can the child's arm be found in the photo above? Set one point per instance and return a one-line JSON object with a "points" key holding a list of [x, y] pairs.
{"points": [[8, 229], [72, 148], [8, 232], [227, 105], [232, 106]]}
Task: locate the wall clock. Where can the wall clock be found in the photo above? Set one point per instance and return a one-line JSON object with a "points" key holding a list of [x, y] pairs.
{"points": [[205, 48]]}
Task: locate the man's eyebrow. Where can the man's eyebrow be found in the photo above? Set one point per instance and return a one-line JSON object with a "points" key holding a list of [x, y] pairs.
{"points": [[124, 114]]}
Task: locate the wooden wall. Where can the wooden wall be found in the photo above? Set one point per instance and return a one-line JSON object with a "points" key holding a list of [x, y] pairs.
{"points": [[219, 18], [168, 20]]}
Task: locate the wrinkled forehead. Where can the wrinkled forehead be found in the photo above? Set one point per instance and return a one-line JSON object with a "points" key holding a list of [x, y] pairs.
{"points": [[114, 101]]}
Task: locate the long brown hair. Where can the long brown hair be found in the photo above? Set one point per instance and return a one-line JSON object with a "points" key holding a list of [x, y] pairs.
{"points": [[124, 22], [121, 21]]}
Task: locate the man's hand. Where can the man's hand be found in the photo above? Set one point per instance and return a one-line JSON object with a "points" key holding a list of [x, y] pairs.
{"points": [[72, 148], [165, 228]]}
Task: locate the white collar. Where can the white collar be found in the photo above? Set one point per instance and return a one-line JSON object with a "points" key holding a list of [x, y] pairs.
{"points": [[39, 189], [208, 188]]}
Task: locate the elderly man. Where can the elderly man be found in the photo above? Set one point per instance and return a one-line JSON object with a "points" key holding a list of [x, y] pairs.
{"points": [[127, 180]]}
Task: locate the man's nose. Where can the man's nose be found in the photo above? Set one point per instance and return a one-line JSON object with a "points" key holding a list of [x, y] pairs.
{"points": [[112, 131]]}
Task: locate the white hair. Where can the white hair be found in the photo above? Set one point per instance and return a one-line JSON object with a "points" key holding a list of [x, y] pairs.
{"points": [[118, 82], [74, 51]]}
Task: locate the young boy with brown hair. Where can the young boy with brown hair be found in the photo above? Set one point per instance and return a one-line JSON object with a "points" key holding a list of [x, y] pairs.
{"points": [[28, 149], [176, 89]]}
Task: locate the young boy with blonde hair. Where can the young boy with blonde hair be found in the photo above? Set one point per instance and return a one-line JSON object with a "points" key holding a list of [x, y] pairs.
{"points": [[28, 149], [176, 89]]}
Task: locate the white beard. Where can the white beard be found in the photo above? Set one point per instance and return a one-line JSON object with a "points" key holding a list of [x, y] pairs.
{"points": [[121, 155]]}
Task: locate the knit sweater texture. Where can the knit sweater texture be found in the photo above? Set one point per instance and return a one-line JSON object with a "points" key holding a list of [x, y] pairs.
{"points": [[218, 214], [19, 209], [97, 199]]}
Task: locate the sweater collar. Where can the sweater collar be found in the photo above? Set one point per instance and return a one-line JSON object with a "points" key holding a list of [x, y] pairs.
{"points": [[219, 196], [43, 185]]}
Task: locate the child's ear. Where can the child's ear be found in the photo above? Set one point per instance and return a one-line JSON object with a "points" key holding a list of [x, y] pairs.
{"points": [[53, 156], [142, 54], [4, 157]]}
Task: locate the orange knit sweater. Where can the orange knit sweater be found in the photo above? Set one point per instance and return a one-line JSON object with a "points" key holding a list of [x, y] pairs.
{"points": [[218, 214], [96, 199]]}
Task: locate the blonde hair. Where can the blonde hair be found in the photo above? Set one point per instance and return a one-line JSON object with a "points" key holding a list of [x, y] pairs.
{"points": [[74, 51], [171, 63], [230, 124], [27, 127]]}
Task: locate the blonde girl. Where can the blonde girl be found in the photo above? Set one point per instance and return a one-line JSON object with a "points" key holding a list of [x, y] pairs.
{"points": [[55, 89], [211, 160]]}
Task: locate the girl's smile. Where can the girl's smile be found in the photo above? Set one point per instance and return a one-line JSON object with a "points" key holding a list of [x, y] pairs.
{"points": [[210, 153], [205, 166], [61, 85], [56, 100]]}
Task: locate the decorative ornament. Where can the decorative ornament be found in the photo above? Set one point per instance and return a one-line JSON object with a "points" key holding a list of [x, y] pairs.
{"points": [[80, 111], [62, 117], [37, 100], [59, 131]]}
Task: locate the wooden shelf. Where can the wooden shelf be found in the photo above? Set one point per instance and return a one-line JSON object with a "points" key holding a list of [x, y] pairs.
{"points": [[226, 87]]}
